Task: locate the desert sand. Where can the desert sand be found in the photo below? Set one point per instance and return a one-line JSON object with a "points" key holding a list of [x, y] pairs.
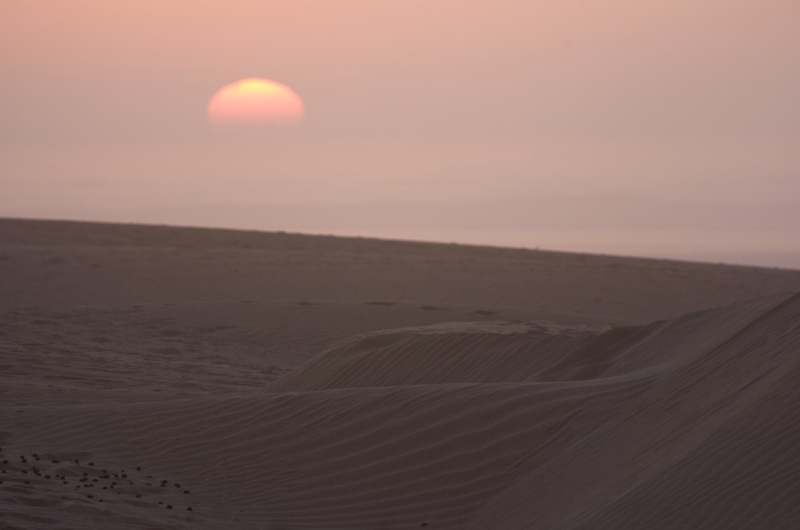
{"points": [[169, 378]]}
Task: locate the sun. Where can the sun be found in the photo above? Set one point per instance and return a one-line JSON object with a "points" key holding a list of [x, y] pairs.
{"points": [[255, 101]]}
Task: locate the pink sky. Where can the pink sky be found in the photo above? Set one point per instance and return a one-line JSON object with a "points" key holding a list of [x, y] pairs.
{"points": [[660, 128]]}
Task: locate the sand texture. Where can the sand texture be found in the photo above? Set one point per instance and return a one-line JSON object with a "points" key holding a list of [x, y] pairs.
{"points": [[176, 378]]}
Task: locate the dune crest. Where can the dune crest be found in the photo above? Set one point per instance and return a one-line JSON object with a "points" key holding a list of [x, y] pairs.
{"points": [[459, 352]]}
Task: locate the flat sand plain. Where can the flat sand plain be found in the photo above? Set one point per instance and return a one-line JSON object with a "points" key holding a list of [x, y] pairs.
{"points": [[170, 378]]}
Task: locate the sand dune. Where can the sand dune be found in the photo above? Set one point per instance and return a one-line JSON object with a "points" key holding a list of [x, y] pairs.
{"points": [[318, 412], [690, 452], [186, 349], [60, 264], [485, 352]]}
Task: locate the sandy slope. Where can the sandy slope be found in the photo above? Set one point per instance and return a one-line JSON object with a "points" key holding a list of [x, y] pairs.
{"points": [[332, 411], [50, 264]]}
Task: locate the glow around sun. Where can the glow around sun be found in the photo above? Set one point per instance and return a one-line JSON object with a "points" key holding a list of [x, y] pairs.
{"points": [[255, 101]]}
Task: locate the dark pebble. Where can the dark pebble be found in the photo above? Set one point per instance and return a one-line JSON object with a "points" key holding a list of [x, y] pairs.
{"points": [[90, 496], [47, 477], [185, 492], [169, 506], [159, 502], [138, 468], [177, 485], [27, 482], [189, 509], [138, 496]]}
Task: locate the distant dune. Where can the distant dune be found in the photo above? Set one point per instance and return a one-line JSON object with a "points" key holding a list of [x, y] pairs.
{"points": [[56, 263], [182, 378]]}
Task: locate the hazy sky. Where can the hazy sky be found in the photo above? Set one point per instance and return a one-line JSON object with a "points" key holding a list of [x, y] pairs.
{"points": [[655, 128]]}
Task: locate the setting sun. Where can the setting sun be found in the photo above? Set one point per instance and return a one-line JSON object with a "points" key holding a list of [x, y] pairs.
{"points": [[255, 101]]}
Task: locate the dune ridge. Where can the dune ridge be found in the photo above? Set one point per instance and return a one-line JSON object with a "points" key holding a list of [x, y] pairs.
{"points": [[459, 353]]}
